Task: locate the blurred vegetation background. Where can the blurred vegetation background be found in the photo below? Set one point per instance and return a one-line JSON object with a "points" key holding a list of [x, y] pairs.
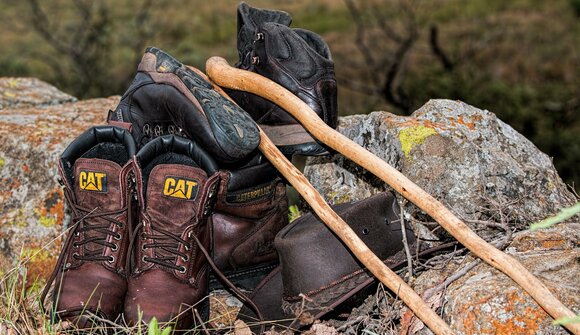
{"points": [[519, 59]]}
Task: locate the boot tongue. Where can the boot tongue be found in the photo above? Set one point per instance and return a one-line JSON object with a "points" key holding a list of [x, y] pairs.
{"points": [[249, 19], [97, 184], [172, 195]]}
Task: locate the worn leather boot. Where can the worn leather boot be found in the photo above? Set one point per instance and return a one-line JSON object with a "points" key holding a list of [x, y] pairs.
{"points": [[167, 97], [251, 209], [297, 59], [177, 185], [90, 273]]}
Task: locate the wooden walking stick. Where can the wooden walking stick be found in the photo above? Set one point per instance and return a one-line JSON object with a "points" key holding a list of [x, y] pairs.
{"points": [[224, 75], [347, 235]]}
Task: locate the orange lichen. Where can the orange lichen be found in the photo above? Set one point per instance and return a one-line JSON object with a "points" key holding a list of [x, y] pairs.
{"points": [[554, 244], [403, 122], [53, 211], [526, 321], [514, 316], [470, 125]]}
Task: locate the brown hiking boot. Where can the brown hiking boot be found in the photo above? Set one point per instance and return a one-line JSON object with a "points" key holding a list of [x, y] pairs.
{"points": [[90, 272], [297, 59], [176, 185], [251, 208]]}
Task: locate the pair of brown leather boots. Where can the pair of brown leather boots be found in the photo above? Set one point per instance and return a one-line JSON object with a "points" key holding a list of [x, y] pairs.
{"points": [[143, 223], [175, 185]]}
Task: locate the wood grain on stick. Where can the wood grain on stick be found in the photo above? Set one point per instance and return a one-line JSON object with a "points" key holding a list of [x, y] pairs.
{"points": [[225, 75]]}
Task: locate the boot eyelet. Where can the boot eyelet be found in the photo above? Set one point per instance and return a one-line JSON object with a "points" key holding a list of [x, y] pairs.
{"points": [[111, 259], [213, 192], [143, 259], [146, 129], [75, 245], [182, 269], [143, 247], [365, 231], [75, 256], [117, 237], [158, 131], [255, 60], [259, 37], [185, 259], [189, 234], [77, 233], [114, 247], [187, 247]]}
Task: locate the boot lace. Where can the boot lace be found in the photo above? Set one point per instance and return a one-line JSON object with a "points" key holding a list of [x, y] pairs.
{"points": [[83, 219], [87, 221], [167, 245], [241, 296]]}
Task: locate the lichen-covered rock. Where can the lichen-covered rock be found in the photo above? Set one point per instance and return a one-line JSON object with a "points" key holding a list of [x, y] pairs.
{"points": [[29, 92], [464, 156], [485, 301], [31, 200]]}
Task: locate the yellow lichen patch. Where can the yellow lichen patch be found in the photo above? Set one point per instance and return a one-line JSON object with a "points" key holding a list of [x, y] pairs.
{"points": [[2, 163], [47, 221], [13, 83], [18, 219], [39, 263], [412, 136], [336, 198]]}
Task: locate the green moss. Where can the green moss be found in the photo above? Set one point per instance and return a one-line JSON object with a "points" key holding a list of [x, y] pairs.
{"points": [[412, 136]]}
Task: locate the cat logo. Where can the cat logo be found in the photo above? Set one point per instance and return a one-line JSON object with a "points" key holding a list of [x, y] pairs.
{"points": [[180, 188], [93, 181]]}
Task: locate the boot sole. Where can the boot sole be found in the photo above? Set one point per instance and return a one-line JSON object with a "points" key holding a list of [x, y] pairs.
{"points": [[293, 139], [235, 132], [246, 279]]}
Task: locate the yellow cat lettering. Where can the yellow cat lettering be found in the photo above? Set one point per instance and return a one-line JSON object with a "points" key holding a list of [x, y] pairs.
{"points": [[179, 188], [93, 181]]}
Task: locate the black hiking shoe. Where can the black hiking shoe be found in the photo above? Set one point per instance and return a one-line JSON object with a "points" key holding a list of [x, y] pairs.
{"points": [[297, 59], [167, 97]]}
